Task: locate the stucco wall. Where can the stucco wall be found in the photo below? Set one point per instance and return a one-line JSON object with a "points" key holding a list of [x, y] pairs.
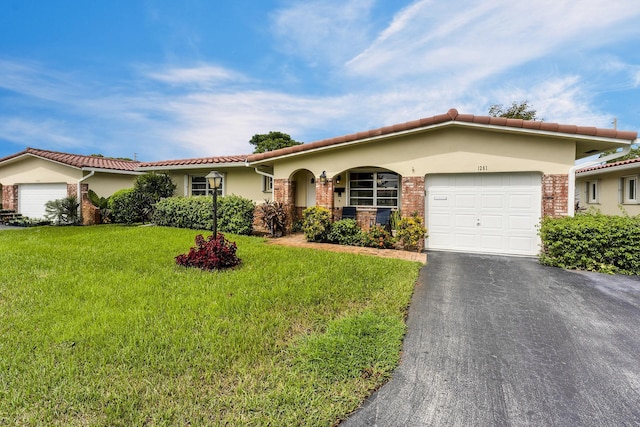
{"points": [[609, 192], [241, 180], [32, 170], [105, 184], [448, 150]]}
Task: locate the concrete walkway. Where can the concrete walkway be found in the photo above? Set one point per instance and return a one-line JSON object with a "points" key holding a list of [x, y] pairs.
{"points": [[298, 240]]}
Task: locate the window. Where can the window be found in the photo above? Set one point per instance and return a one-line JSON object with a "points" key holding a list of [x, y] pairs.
{"points": [[592, 192], [200, 186], [630, 189], [373, 189], [267, 184]]}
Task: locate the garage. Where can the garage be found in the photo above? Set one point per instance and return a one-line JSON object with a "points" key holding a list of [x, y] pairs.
{"points": [[486, 213], [33, 197]]}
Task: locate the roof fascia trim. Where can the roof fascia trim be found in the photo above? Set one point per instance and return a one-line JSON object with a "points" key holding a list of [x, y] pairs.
{"points": [[196, 166], [114, 171], [23, 155], [608, 169]]}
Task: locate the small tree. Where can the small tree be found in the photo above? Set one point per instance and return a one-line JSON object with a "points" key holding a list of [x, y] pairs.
{"points": [[63, 211], [521, 110], [155, 185], [272, 141]]}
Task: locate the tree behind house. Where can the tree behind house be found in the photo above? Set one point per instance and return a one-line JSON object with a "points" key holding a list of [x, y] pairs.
{"points": [[272, 141], [521, 110]]}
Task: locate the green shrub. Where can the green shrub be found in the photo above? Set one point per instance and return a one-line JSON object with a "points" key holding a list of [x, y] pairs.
{"points": [[128, 206], [316, 223], [594, 242], [235, 214], [411, 232], [346, 232], [185, 212], [378, 237]]}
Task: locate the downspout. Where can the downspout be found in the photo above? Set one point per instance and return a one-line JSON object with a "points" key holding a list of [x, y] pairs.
{"points": [[93, 172], [269, 175], [571, 208]]}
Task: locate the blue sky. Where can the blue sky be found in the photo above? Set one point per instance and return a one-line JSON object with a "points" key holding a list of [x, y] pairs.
{"points": [[168, 80]]}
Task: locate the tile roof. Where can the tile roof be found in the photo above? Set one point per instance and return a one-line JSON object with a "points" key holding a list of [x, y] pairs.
{"points": [[450, 116], [196, 161], [77, 160], [609, 165]]}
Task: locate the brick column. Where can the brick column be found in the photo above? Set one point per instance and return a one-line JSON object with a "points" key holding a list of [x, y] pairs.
{"points": [[412, 195], [10, 197], [90, 214], [284, 191], [555, 195], [324, 194]]}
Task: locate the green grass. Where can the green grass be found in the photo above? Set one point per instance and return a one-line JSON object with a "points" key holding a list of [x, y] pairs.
{"points": [[98, 326]]}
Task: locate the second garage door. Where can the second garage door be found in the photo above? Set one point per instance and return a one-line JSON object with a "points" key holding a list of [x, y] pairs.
{"points": [[485, 213], [33, 197]]}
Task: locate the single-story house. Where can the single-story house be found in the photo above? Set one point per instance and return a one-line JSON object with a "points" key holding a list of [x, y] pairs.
{"points": [[481, 183], [610, 188], [33, 177]]}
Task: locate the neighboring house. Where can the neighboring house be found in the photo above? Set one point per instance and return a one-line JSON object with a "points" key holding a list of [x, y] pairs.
{"points": [[610, 188], [481, 183], [33, 177]]}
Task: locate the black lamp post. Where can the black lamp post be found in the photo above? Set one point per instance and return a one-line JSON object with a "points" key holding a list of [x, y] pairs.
{"points": [[215, 182]]}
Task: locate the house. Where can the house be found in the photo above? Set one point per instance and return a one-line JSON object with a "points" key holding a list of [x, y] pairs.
{"points": [[481, 183], [33, 177], [610, 188]]}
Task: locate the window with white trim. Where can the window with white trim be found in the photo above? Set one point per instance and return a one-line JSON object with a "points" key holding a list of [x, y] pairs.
{"points": [[370, 188], [200, 186], [267, 184], [630, 189], [592, 192]]}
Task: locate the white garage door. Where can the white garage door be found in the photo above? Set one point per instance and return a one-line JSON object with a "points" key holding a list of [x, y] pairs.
{"points": [[485, 213], [33, 197]]}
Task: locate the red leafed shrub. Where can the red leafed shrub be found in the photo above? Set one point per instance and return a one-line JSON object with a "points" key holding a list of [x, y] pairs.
{"points": [[210, 254]]}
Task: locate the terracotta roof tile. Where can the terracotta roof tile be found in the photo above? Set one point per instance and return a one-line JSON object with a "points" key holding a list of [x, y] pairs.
{"points": [[196, 161], [609, 165], [77, 160], [450, 116]]}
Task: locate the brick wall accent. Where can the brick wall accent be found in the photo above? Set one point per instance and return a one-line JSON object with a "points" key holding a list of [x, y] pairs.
{"points": [[90, 214], [555, 195], [284, 191], [412, 194], [10, 197], [324, 194]]}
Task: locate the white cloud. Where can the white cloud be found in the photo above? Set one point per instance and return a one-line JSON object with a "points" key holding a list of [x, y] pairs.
{"points": [[323, 31], [471, 41], [202, 75]]}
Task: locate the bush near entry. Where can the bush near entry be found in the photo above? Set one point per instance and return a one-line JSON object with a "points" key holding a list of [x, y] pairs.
{"points": [[235, 213], [593, 242]]}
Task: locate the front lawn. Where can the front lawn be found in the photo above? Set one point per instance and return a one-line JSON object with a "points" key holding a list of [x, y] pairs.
{"points": [[99, 326]]}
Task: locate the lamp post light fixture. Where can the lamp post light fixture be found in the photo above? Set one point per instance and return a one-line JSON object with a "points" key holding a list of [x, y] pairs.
{"points": [[215, 182]]}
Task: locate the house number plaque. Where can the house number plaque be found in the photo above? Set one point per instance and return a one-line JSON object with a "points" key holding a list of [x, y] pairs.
{"points": [[483, 168]]}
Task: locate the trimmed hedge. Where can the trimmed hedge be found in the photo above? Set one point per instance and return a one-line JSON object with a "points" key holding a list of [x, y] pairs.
{"points": [[235, 214], [594, 242]]}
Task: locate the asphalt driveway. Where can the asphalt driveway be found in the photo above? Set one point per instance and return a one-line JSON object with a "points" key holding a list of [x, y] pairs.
{"points": [[503, 341]]}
